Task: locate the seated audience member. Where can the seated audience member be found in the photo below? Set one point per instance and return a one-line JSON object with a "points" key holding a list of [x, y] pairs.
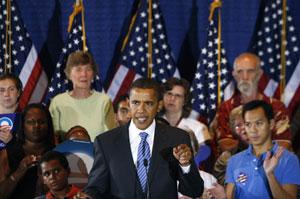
{"points": [[122, 110], [54, 169], [82, 105], [265, 169], [78, 150], [34, 139], [78, 133], [247, 72], [236, 123], [177, 107]]}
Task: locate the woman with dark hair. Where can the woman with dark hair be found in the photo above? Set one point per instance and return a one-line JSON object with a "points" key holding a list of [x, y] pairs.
{"points": [[177, 108], [36, 137]]}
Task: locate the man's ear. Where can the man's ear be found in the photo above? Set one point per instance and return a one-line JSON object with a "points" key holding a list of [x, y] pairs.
{"points": [[259, 73], [272, 124], [160, 105]]}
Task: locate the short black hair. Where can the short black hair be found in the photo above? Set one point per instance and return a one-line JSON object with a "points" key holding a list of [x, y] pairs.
{"points": [[259, 104], [55, 155], [120, 99], [147, 83]]}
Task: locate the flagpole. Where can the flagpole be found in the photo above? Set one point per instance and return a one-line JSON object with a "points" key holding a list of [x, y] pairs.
{"points": [[150, 64], [83, 28], [283, 49], [213, 6], [8, 35]]}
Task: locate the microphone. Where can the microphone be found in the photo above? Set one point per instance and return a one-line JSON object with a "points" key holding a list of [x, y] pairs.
{"points": [[146, 164]]}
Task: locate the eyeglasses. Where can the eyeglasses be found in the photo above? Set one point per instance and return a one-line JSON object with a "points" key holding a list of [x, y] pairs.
{"points": [[34, 122]]}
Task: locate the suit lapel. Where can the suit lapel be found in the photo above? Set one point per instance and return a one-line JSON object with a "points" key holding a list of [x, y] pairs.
{"points": [[126, 161], [159, 140]]}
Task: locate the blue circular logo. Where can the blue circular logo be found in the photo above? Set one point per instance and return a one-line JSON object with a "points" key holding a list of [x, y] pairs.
{"points": [[6, 121]]}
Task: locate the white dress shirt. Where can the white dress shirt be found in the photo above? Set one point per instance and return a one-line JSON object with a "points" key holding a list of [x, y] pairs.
{"points": [[135, 139]]}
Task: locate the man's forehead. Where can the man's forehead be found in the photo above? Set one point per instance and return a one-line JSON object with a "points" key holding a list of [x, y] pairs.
{"points": [[255, 115], [139, 92]]}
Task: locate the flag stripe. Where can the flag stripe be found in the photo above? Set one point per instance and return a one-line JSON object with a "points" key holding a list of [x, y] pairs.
{"points": [[30, 84], [133, 60], [40, 88], [24, 57], [292, 86]]}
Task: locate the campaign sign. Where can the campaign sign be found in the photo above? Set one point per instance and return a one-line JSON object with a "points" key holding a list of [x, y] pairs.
{"points": [[80, 157], [11, 120]]}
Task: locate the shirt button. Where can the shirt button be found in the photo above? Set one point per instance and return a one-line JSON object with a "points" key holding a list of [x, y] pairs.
{"points": [[254, 160], [255, 168]]}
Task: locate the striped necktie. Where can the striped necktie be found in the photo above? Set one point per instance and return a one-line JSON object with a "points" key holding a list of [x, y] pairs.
{"points": [[143, 160]]}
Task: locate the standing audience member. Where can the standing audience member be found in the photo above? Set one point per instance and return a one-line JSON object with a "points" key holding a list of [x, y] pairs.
{"points": [[177, 107], [143, 159], [34, 139], [247, 72], [54, 169], [82, 105], [264, 170], [10, 92], [122, 110]]}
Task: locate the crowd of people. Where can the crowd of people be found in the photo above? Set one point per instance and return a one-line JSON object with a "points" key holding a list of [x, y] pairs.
{"points": [[145, 145]]}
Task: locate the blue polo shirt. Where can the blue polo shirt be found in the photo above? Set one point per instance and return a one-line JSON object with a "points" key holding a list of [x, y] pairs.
{"points": [[246, 172]]}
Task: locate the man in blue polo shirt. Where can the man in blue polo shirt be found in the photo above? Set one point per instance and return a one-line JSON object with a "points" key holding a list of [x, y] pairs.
{"points": [[264, 170]]}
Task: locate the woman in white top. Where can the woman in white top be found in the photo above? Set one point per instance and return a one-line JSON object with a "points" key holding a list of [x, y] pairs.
{"points": [[82, 105], [177, 107]]}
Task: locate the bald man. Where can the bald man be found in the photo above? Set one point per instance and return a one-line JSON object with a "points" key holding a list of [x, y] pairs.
{"points": [[247, 72]]}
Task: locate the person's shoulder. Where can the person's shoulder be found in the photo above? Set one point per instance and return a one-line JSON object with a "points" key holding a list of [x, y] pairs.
{"points": [[101, 95], [273, 101], [59, 97], [172, 130], [193, 122], [238, 156], [289, 156], [111, 134]]}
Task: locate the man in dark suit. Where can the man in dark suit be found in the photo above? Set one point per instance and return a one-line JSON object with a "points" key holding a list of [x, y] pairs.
{"points": [[117, 166]]}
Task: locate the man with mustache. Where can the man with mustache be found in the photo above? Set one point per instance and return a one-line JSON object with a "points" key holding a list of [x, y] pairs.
{"points": [[247, 72]]}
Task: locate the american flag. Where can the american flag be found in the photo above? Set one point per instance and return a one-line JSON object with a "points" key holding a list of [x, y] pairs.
{"points": [[19, 56], [267, 45], [204, 88], [59, 82], [133, 60]]}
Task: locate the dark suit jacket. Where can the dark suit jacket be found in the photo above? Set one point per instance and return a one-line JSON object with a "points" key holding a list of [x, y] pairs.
{"points": [[114, 174]]}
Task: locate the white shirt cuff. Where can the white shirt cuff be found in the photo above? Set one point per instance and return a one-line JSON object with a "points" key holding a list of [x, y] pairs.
{"points": [[185, 169]]}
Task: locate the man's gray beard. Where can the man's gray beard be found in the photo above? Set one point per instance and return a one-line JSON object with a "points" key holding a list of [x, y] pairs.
{"points": [[246, 88]]}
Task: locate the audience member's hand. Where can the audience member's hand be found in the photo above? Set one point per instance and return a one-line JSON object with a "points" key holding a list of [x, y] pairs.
{"points": [[183, 154], [28, 161], [271, 161], [5, 134], [82, 195], [217, 192]]}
